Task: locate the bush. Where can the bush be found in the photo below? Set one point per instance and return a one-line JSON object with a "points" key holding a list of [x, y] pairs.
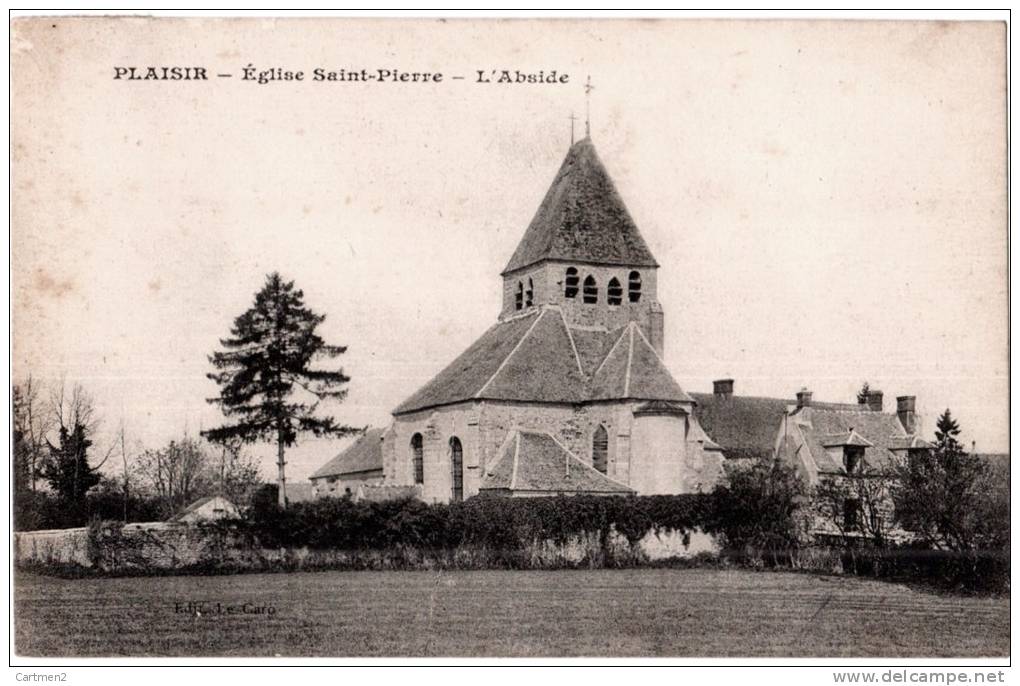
{"points": [[759, 513], [505, 526]]}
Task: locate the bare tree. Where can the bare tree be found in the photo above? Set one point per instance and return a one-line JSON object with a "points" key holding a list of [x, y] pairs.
{"points": [[32, 422]]}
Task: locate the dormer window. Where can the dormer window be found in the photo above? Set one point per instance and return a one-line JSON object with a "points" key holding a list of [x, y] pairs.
{"points": [[634, 287], [591, 290], [614, 293], [529, 295], [519, 296], [570, 286], [853, 456]]}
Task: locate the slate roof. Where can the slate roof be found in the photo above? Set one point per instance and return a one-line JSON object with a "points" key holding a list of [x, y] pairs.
{"points": [[364, 455], [745, 427], [582, 218], [536, 358], [532, 461], [882, 430]]}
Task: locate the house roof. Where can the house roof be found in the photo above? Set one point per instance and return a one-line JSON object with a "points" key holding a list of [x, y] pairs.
{"points": [[536, 358], [849, 438], [743, 426], [582, 218], [820, 424], [364, 455], [299, 492], [533, 461], [198, 504], [377, 493]]}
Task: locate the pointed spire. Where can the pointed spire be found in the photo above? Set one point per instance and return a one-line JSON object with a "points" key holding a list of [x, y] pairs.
{"points": [[582, 219]]}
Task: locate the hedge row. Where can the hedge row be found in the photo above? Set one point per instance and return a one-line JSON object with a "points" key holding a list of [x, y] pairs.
{"points": [[500, 523]]}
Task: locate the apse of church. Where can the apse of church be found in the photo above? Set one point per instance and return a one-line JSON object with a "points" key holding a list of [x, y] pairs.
{"points": [[567, 391]]}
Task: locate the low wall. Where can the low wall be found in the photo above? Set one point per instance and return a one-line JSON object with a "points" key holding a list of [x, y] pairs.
{"points": [[160, 547]]}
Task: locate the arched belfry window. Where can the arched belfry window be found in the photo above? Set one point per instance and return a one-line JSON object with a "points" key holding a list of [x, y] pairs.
{"points": [[634, 287], [614, 292], [529, 295], [418, 457], [570, 287], [591, 290], [600, 449], [519, 296], [457, 469]]}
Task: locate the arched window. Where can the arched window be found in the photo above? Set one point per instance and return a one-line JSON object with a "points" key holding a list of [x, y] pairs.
{"points": [[634, 287], [614, 292], [519, 296], [529, 295], [418, 457], [570, 285], [600, 449], [457, 467], [591, 290]]}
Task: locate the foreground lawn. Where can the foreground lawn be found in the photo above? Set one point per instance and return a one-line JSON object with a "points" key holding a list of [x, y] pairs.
{"points": [[647, 612]]}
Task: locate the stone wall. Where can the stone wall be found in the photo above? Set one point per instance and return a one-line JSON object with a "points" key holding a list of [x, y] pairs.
{"points": [[161, 548]]}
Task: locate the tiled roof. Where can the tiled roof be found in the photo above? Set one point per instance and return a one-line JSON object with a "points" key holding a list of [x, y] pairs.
{"points": [[907, 443], [536, 358], [198, 504], [364, 455], [298, 492], [818, 424], [582, 218], [380, 493], [743, 426], [534, 462], [851, 438]]}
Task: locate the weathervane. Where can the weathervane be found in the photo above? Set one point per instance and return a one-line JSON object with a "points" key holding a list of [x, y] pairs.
{"points": [[588, 88]]}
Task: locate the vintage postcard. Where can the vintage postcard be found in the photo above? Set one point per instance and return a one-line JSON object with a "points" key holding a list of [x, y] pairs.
{"points": [[526, 338]]}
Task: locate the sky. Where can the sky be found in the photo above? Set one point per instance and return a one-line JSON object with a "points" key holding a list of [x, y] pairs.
{"points": [[827, 201]]}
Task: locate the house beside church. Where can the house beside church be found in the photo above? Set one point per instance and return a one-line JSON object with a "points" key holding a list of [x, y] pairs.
{"points": [[567, 391]]}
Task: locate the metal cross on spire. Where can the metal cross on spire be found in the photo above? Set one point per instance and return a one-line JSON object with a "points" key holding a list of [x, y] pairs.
{"points": [[588, 88], [572, 120]]}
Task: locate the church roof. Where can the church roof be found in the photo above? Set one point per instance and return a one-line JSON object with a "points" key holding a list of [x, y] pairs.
{"points": [[582, 219], [536, 462], [537, 358], [364, 455]]}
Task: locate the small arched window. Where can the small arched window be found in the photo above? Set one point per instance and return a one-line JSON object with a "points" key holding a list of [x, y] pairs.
{"points": [[457, 469], [529, 295], [614, 292], [570, 285], [418, 458], [600, 449], [591, 290], [519, 296], [634, 287]]}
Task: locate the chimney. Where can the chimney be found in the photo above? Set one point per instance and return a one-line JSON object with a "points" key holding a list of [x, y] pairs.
{"points": [[873, 400], [905, 411], [803, 398], [723, 388]]}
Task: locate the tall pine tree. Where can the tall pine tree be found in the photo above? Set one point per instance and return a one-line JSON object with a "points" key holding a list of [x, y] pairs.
{"points": [[269, 385], [938, 494], [68, 470]]}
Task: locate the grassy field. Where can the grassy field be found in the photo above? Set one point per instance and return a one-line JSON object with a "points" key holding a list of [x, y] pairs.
{"points": [[647, 612]]}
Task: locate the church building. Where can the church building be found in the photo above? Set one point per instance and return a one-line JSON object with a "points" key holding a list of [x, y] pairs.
{"points": [[567, 391]]}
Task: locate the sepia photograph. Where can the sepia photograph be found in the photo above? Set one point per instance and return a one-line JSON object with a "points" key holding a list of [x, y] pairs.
{"points": [[548, 337]]}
